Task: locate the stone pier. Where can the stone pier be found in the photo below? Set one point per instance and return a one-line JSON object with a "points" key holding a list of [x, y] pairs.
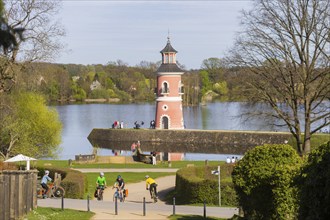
{"points": [[188, 141]]}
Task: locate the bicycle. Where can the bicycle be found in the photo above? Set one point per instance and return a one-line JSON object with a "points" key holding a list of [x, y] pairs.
{"points": [[119, 195], [54, 191], [153, 195], [100, 193]]}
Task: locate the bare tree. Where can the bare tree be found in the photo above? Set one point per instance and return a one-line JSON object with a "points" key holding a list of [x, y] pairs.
{"points": [[284, 49], [40, 40]]}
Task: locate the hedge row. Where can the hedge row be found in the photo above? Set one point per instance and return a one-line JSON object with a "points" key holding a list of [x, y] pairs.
{"points": [[264, 182], [274, 182], [197, 184], [314, 185], [73, 182]]}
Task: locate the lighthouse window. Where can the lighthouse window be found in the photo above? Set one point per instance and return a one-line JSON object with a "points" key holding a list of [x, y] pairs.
{"points": [[165, 107], [165, 88], [171, 58], [166, 58]]}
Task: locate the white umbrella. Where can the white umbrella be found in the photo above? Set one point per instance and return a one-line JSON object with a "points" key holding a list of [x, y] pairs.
{"points": [[21, 157]]}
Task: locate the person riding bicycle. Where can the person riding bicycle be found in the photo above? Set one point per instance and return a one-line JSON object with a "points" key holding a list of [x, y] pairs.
{"points": [[101, 183], [151, 185], [120, 185], [121, 182], [44, 182]]}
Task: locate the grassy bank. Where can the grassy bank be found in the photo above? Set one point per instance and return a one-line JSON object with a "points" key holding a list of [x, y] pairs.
{"points": [[54, 214], [174, 164], [192, 217]]}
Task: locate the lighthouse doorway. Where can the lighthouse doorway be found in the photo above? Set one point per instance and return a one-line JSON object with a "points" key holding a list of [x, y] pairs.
{"points": [[165, 122]]}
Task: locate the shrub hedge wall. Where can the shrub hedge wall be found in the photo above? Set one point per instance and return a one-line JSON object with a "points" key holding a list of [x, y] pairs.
{"points": [[73, 182], [315, 185], [197, 184], [265, 182]]}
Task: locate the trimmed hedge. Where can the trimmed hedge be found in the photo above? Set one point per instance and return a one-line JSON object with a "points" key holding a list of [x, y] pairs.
{"points": [[265, 182], [315, 185], [197, 184], [73, 182]]}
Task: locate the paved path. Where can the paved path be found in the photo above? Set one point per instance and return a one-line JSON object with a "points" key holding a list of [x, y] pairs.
{"points": [[132, 208], [137, 170]]}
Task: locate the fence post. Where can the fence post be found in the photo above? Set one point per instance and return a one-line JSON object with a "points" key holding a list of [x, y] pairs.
{"points": [[116, 206], [173, 205], [144, 206], [88, 209], [62, 203], [204, 213]]}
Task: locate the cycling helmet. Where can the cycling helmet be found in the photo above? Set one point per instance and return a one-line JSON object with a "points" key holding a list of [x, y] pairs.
{"points": [[46, 172], [147, 176], [118, 177], [101, 174]]}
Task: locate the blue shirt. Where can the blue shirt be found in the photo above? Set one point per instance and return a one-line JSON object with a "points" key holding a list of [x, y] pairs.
{"points": [[45, 179]]}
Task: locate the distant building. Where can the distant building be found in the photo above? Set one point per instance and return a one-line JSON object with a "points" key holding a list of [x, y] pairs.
{"points": [[169, 114], [75, 78], [95, 85]]}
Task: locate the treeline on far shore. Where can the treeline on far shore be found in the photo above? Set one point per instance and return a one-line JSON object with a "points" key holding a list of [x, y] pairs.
{"points": [[118, 82]]}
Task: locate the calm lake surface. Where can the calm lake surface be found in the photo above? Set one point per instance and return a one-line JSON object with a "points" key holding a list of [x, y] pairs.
{"points": [[79, 120]]}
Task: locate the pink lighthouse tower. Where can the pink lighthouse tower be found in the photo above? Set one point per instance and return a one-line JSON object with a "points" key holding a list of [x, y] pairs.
{"points": [[169, 91]]}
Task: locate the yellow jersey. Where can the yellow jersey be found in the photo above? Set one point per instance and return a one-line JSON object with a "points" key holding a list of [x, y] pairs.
{"points": [[149, 181]]}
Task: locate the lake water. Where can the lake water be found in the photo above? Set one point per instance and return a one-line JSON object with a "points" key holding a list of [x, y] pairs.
{"points": [[80, 119]]}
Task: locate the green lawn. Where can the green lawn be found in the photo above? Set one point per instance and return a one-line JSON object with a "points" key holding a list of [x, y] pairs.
{"points": [[192, 217], [174, 164], [54, 214]]}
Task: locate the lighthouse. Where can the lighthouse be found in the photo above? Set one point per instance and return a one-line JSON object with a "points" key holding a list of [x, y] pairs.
{"points": [[169, 93]]}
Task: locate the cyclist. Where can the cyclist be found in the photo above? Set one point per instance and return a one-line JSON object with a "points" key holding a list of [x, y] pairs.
{"points": [[120, 185], [121, 182], [151, 184], [101, 183], [44, 182]]}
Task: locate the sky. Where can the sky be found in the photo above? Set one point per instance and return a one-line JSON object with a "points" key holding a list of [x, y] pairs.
{"points": [[100, 31]]}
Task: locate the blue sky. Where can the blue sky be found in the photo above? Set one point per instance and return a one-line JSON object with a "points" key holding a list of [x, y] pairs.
{"points": [[99, 31]]}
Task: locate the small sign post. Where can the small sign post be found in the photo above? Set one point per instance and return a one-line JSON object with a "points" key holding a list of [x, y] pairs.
{"points": [[217, 172]]}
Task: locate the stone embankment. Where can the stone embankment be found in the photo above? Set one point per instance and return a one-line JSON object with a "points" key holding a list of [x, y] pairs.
{"points": [[188, 141]]}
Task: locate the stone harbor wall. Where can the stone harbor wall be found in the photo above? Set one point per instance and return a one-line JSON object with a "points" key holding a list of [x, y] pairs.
{"points": [[187, 141]]}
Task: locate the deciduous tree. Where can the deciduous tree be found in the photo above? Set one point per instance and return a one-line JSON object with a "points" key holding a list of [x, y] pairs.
{"points": [[214, 66], [28, 126], [40, 40], [284, 49]]}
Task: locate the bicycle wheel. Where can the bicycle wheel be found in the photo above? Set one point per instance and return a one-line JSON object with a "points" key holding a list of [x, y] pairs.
{"points": [[153, 195], [59, 192], [100, 195], [115, 195], [123, 196]]}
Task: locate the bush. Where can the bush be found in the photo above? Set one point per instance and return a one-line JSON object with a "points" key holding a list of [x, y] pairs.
{"points": [[73, 182], [8, 166], [315, 185], [100, 94], [75, 185], [197, 184], [264, 181]]}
